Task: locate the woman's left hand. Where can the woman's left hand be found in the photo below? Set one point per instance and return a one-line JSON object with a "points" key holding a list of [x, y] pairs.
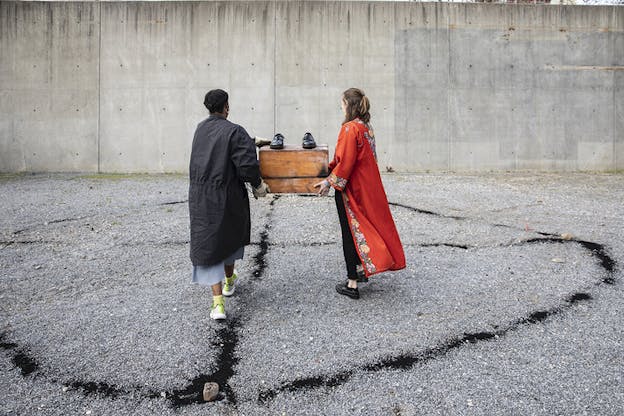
{"points": [[323, 187]]}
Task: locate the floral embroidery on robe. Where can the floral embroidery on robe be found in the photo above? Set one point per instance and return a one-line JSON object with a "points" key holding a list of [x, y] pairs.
{"points": [[354, 171]]}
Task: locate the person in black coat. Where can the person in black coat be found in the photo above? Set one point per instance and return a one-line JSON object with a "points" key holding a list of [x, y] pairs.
{"points": [[223, 158]]}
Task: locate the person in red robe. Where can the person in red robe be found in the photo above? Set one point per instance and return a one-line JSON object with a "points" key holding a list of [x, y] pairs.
{"points": [[370, 240]]}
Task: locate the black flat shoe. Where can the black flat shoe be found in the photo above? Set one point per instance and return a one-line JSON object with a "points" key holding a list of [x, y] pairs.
{"points": [[277, 142], [343, 289], [308, 141]]}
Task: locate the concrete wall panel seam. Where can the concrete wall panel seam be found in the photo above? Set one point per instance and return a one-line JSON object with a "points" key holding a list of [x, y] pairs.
{"points": [[449, 87], [99, 90]]}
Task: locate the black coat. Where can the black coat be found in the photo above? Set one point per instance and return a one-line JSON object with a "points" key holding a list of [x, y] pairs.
{"points": [[223, 158]]}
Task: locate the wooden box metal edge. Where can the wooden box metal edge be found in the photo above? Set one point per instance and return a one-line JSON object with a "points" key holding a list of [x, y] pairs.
{"points": [[293, 169]]}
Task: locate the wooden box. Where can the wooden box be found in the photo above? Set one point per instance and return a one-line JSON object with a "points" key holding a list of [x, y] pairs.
{"points": [[293, 169]]}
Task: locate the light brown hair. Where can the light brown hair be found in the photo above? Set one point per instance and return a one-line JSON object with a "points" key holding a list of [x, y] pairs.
{"points": [[358, 105]]}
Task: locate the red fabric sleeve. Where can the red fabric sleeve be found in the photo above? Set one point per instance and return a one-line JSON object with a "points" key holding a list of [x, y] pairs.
{"points": [[332, 164], [345, 157]]}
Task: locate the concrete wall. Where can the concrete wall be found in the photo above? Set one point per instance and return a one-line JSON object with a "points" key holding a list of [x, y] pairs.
{"points": [[118, 86], [49, 56]]}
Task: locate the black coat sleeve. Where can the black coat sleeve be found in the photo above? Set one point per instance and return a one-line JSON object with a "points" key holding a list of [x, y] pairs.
{"points": [[243, 155]]}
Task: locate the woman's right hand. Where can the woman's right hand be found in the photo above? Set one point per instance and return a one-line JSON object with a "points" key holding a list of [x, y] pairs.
{"points": [[323, 187]]}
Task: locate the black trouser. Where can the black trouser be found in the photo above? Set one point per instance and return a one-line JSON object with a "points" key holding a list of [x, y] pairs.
{"points": [[348, 247]]}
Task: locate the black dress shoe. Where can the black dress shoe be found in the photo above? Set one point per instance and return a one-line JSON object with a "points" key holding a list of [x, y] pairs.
{"points": [[277, 142], [343, 289], [308, 141]]}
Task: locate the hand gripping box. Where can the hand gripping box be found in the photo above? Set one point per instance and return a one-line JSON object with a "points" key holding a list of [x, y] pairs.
{"points": [[293, 169]]}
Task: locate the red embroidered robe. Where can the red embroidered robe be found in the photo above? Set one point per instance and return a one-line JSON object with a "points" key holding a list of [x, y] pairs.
{"points": [[354, 171]]}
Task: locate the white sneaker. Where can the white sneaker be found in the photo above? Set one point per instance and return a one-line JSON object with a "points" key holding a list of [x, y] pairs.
{"points": [[228, 287], [217, 312]]}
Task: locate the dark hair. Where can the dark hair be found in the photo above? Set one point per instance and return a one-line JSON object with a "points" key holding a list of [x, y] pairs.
{"points": [[358, 105], [215, 100]]}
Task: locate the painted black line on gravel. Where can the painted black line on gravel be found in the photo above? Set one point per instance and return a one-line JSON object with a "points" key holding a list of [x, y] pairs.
{"points": [[304, 244], [20, 357], [462, 246], [227, 339], [424, 211], [17, 242], [192, 393], [155, 243], [259, 259], [518, 228], [97, 388], [406, 361], [597, 250], [436, 214], [52, 222], [174, 202], [263, 244], [225, 342], [28, 365]]}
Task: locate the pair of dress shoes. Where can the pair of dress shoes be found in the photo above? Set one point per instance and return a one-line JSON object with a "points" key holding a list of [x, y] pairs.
{"points": [[307, 141]]}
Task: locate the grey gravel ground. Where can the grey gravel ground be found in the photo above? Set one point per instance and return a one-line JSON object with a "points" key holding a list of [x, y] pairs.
{"points": [[495, 313]]}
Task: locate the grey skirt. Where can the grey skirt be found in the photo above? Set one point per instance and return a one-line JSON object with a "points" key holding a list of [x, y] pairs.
{"points": [[213, 274]]}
